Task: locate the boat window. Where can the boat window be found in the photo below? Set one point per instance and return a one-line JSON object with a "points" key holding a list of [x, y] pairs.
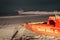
{"points": [[51, 22]]}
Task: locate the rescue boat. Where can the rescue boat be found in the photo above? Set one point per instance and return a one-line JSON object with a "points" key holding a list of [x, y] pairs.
{"points": [[51, 27]]}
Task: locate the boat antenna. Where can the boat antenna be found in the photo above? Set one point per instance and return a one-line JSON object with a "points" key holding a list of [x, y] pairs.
{"points": [[55, 12]]}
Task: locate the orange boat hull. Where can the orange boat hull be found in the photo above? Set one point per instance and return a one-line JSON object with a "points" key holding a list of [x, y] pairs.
{"points": [[44, 29]]}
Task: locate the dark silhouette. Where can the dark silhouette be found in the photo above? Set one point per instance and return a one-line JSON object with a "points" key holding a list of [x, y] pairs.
{"points": [[51, 22]]}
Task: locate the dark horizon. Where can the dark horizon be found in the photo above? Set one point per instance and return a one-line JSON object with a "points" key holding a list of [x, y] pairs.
{"points": [[9, 7]]}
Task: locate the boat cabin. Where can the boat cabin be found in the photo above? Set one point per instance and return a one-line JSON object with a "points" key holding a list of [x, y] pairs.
{"points": [[52, 20]]}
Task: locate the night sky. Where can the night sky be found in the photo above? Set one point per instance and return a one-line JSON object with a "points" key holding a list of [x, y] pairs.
{"points": [[9, 7]]}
